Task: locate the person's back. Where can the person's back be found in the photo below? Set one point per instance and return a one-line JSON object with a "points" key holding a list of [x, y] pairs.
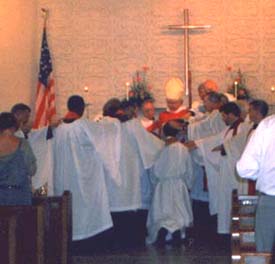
{"points": [[171, 208], [17, 164], [80, 167]]}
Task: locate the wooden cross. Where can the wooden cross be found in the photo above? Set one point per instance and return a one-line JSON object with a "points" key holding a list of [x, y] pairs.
{"points": [[186, 29]]}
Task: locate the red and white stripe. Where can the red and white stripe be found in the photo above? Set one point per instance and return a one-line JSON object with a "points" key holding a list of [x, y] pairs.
{"points": [[45, 104]]}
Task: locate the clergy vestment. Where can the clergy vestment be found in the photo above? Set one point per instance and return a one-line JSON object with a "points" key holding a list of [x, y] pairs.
{"points": [[138, 153], [150, 125], [234, 147], [42, 149], [171, 205], [220, 180], [181, 113], [84, 152], [210, 125]]}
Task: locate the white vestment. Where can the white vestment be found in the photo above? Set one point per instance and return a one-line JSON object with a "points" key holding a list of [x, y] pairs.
{"points": [[171, 206], [42, 149], [211, 125], [220, 176], [234, 148], [84, 152], [139, 150]]}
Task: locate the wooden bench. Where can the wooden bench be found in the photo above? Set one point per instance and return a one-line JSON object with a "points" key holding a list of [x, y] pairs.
{"points": [[243, 232], [22, 236], [58, 228]]}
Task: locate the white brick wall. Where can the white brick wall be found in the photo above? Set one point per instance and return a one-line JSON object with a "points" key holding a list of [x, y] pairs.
{"points": [[100, 43]]}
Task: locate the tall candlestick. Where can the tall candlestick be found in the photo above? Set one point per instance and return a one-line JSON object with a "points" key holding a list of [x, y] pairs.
{"points": [[127, 91], [236, 89]]}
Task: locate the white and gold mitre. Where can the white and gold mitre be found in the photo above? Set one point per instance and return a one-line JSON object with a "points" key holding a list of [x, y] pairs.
{"points": [[174, 89]]}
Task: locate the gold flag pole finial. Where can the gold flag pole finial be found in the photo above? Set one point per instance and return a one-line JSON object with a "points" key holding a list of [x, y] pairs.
{"points": [[45, 14]]}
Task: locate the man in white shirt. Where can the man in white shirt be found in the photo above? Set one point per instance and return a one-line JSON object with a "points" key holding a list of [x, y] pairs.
{"points": [[258, 163]]}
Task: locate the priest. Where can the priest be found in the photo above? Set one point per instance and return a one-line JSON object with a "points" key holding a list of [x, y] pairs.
{"points": [[211, 156], [148, 117], [83, 153], [233, 148]]}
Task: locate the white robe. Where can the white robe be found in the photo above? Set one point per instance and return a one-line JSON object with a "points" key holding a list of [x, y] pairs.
{"points": [[234, 148], [84, 152], [42, 149], [219, 172], [139, 150], [211, 125], [171, 206]]}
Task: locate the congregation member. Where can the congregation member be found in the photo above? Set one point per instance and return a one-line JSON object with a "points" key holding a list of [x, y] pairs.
{"points": [[17, 164], [39, 139], [170, 210], [257, 163]]}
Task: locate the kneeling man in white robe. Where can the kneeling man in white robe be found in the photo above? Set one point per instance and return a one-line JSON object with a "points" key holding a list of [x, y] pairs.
{"points": [[170, 210]]}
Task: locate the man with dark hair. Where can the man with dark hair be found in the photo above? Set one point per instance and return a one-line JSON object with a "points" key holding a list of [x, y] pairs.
{"points": [[170, 210], [212, 101], [209, 150], [230, 113], [80, 166], [258, 109], [234, 147], [76, 106], [22, 114]]}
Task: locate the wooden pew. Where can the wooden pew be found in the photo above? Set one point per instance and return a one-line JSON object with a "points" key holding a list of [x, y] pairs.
{"points": [[242, 232], [8, 238], [58, 228], [22, 235]]}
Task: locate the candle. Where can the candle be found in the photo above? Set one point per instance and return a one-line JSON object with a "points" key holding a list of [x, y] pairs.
{"points": [[272, 89], [127, 91], [236, 89]]}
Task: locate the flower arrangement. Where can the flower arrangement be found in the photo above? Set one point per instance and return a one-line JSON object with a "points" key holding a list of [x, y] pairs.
{"points": [[238, 86], [140, 90]]}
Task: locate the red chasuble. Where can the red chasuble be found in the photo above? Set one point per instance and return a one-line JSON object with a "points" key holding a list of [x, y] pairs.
{"points": [[166, 116]]}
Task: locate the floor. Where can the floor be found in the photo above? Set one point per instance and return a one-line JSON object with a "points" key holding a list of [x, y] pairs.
{"points": [[196, 254], [203, 247]]}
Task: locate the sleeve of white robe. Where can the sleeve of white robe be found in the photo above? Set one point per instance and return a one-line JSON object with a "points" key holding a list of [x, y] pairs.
{"points": [[149, 146], [43, 152], [106, 137]]}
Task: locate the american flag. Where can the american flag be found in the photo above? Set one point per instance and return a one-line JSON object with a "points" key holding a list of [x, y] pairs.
{"points": [[45, 96]]}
